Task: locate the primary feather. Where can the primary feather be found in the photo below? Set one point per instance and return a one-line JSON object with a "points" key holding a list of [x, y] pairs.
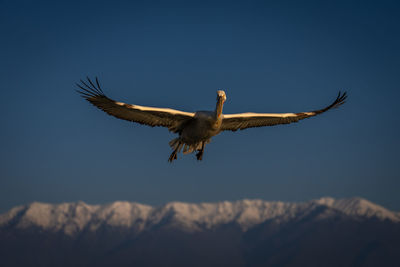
{"points": [[243, 121], [151, 116]]}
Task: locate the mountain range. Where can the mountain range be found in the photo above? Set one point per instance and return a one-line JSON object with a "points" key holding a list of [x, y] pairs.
{"points": [[320, 232]]}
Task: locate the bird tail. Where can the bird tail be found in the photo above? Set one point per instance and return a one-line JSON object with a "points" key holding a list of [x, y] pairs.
{"points": [[176, 144]]}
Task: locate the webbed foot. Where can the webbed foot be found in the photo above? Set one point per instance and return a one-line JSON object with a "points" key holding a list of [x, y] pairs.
{"points": [[199, 155]]}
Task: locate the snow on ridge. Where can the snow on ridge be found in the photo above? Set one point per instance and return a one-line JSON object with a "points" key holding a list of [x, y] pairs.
{"points": [[357, 206], [11, 214], [69, 217], [122, 213], [246, 213], [75, 217]]}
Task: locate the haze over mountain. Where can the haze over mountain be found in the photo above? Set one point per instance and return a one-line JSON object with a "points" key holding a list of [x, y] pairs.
{"points": [[321, 232]]}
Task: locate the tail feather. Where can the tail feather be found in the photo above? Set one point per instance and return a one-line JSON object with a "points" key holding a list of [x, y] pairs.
{"points": [[174, 143], [188, 150], [178, 146], [185, 148]]}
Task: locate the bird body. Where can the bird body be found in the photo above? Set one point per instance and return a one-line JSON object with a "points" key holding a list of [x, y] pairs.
{"points": [[203, 126], [195, 129]]}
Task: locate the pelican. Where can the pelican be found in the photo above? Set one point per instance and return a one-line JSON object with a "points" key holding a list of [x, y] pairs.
{"points": [[195, 129]]}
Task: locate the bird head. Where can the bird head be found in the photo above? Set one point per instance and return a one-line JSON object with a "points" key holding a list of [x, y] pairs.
{"points": [[221, 95]]}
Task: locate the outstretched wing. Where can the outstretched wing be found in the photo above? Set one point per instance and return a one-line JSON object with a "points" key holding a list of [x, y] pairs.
{"points": [[233, 122], [151, 116]]}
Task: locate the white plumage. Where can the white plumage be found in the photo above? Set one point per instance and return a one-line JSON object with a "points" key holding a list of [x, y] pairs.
{"points": [[195, 129]]}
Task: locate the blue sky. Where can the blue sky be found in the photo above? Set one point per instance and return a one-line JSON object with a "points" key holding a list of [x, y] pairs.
{"points": [[269, 56]]}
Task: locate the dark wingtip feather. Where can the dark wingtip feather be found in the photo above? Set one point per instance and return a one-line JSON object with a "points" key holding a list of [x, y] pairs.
{"points": [[93, 86], [98, 85], [340, 100], [83, 94], [89, 89]]}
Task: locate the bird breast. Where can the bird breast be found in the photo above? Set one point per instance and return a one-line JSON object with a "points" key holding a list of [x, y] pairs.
{"points": [[203, 126]]}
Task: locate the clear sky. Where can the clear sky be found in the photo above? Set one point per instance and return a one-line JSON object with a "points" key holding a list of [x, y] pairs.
{"points": [[269, 56]]}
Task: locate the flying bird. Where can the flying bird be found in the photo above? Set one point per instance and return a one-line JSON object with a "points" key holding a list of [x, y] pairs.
{"points": [[195, 129]]}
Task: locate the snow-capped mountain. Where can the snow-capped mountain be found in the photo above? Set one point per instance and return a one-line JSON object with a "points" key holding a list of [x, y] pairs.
{"points": [[74, 217], [327, 232]]}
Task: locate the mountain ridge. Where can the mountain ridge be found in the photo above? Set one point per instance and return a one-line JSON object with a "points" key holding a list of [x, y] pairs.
{"points": [[320, 232], [73, 217]]}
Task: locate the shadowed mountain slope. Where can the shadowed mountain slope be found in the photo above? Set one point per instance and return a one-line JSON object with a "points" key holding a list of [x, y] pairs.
{"points": [[322, 232]]}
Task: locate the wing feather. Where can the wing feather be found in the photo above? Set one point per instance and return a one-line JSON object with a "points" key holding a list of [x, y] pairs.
{"points": [[150, 116], [241, 121]]}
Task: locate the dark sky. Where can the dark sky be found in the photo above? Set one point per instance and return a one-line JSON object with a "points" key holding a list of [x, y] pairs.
{"points": [[269, 56]]}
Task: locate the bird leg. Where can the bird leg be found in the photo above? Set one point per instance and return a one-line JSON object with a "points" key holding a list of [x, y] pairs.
{"points": [[176, 144], [173, 156], [199, 154]]}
